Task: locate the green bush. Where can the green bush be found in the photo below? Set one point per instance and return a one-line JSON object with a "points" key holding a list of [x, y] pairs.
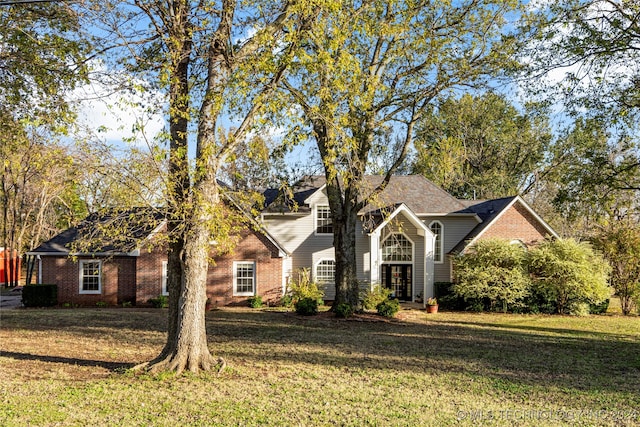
{"points": [[494, 270], [101, 304], [343, 310], [286, 301], [580, 309], [374, 296], [307, 306], [303, 287], [161, 301], [442, 289], [40, 295], [599, 308], [568, 272], [255, 301], [388, 308]]}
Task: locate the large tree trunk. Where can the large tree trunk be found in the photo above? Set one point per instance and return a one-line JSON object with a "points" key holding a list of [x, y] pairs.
{"points": [[344, 237], [186, 347], [343, 205]]}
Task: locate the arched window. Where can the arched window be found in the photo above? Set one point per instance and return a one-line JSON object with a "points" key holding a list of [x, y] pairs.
{"points": [[326, 272], [397, 247], [437, 229]]}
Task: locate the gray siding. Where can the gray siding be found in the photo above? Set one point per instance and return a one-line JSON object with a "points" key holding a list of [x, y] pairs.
{"points": [[455, 229]]}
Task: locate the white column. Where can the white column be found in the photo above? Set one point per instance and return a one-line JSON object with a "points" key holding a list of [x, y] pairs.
{"points": [[429, 245], [374, 262]]}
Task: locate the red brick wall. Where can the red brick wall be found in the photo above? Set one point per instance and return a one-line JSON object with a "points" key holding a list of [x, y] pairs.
{"points": [[140, 278], [149, 272], [268, 274], [118, 280], [516, 223]]}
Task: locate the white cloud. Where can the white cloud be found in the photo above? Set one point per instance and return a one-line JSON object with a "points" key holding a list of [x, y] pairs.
{"points": [[116, 115]]}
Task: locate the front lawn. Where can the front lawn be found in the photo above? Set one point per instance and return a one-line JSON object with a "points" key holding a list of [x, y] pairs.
{"points": [[70, 367]]}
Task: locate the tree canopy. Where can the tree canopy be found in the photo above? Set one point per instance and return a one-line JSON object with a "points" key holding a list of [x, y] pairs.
{"points": [[481, 146]]}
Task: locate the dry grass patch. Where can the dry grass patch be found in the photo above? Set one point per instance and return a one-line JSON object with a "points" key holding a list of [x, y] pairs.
{"points": [[69, 367]]}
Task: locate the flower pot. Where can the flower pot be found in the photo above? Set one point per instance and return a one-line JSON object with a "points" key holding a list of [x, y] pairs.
{"points": [[432, 309]]}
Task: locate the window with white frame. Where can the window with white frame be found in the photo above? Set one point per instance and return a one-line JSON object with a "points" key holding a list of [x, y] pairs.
{"points": [[165, 291], [437, 229], [397, 247], [324, 225], [90, 277], [244, 278], [326, 272]]}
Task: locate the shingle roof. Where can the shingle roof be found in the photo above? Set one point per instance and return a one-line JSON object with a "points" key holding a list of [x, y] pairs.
{"points": [[115, 231], [415, 191]]}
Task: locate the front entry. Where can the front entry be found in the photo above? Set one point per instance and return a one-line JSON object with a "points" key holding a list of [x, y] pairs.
{"points": [[397, 277]]}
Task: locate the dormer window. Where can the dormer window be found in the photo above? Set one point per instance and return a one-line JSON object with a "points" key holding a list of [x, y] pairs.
{"points": [[324, 225]]}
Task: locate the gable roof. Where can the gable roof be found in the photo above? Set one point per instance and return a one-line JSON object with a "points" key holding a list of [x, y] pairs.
{"points": [[99, 233], [97, 236], [381, 217], [419, 194], [489, 211]]}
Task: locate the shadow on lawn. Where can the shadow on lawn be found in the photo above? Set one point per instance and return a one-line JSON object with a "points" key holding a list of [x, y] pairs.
{"points": [[547, 358], [111, 366]]}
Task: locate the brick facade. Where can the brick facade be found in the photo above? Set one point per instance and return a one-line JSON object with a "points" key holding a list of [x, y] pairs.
{"points": [[268, 272], [117, 282], [138, 279], [516, 223]]}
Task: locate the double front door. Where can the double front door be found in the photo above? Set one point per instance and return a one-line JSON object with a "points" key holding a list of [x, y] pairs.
{"points": [[397, 277]]}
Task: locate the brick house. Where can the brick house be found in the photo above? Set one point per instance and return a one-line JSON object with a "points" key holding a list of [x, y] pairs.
{"points": [[134, 270], [405, 241]]}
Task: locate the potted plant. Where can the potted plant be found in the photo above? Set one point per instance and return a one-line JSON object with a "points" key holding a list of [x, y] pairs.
{"points": [[432, 305]]}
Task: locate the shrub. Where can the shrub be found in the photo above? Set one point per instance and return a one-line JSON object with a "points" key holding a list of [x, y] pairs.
{"points": [[303, 287], [161, 301], [599, 308], [307, 306], [374, 296], [493, 270], [567, 271], [343, 310], [255, 301], [101, 304], [40, 295], [580, 309], [388, 308], [287, 301], [442, 289]]}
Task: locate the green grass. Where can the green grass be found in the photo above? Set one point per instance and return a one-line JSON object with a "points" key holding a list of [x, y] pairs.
{"points": [[70, 367]]}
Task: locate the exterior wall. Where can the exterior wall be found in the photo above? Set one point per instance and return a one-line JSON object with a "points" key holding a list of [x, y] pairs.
{"points": [[149, 275], [268, 273], [516, 223], [138, 279], [455, 229], [296, 235], [65, 273]]}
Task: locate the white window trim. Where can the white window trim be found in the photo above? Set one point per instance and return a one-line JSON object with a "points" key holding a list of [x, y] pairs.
{"points": [[165, 291], [315, 220], [315, 271], [436, 241], [235, 278], [81, 276], [413, 249]]}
